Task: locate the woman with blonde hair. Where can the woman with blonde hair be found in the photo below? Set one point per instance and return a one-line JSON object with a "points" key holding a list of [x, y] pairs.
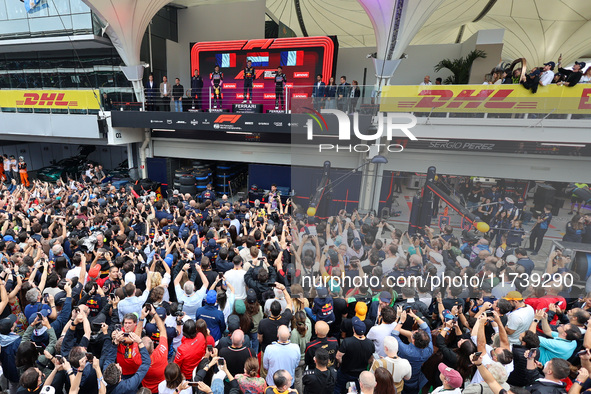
{"points": [[298, 299]]}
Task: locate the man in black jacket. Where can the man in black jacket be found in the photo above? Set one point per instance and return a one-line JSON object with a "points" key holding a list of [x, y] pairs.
{"points": [[151, 94], [550, 382], [322, 378], [177, 95], [572, 77], [343, 92], [196, 88]]}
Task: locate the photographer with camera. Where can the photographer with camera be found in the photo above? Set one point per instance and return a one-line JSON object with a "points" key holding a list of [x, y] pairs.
{"points": [[117, 382]]}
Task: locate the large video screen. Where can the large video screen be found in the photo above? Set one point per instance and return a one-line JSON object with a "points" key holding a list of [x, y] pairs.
{"points": [[301, 58]]}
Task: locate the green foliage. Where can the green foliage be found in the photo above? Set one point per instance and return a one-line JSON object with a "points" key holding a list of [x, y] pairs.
{"points": [[460, 67]]}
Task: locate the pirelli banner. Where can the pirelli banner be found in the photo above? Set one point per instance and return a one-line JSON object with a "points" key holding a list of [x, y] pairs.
{"points": [[487, 98], [54, 99]]}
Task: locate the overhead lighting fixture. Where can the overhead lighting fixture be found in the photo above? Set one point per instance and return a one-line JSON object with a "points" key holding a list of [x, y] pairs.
{"points": [[239, 132], [166, 130], [567, 145]]}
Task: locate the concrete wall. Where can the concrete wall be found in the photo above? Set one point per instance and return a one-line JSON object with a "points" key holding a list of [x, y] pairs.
{"points": [[420, 62], [351, 62], [489, 41], [212, 22]]}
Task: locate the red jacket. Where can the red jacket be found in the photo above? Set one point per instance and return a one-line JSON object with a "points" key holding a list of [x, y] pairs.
{"points": [[189, 354]]}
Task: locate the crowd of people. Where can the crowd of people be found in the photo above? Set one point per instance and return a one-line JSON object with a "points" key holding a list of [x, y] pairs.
{"points": [[106, 290]]}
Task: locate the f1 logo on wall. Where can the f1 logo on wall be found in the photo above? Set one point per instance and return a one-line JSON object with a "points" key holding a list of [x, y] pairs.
{"points": [[227, 118], [227, 122]]}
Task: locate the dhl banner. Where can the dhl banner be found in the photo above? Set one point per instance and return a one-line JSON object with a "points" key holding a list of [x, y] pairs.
{"points": [[487, 98], [54, 99]]}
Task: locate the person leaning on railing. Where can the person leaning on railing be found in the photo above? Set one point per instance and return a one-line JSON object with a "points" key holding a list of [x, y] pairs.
{"points": [[572, 76]]}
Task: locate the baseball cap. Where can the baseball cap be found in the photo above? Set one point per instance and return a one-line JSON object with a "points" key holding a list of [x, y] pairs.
{"points": [[251, 296], [212, 243], [357, 243], [447, 315], [464, 262], [581, 64], [322, 292], [358, 326], [385, 296], [239, 307], [169, 259], [551, 64], [129, 278], [44, 313], [452, 376], [233, 323], [161, 312], [95, 271], [8, 238], [211, 297], [436, 256], [513, 296], [360, 310], [6, 324], [198, 252], [47, 390]]}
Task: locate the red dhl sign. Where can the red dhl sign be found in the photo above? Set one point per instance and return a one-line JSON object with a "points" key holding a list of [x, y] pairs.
{"points": [[75, 99], [486, 98]]}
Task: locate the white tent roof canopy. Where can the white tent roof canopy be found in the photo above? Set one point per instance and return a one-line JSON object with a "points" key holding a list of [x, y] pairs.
{"points": [[539, 30]]}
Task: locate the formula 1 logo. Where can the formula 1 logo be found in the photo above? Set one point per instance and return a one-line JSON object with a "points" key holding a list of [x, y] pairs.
{"points": [[227, 118], [46, 99]]}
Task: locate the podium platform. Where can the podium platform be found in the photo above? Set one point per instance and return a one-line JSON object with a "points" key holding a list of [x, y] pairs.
{"points": [[247, 108]]}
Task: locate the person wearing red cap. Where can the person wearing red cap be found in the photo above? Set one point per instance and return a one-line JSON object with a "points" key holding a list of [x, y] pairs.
{"points": [[452, 380]]}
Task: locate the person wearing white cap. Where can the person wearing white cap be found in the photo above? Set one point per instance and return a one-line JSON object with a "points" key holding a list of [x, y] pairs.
{"points": [[437, 260]]}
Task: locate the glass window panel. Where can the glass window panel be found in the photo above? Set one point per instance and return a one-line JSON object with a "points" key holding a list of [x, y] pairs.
{"points": [[82, 22], [49, 24], [4, 82], [18, 81], [3, 13], [77, 6], [59, 7], [15, 27], [105, 79], [15, 9]]}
